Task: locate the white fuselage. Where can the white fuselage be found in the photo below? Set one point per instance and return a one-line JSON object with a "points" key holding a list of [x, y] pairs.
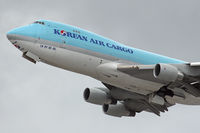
{"points": [[99, 68]]}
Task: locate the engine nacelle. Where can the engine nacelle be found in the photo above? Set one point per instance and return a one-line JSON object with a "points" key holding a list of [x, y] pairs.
{"points": [[167, 73], [117, 110], [97, 96]]}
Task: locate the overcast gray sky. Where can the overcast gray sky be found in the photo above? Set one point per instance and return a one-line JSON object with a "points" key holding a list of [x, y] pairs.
{"points": [[44, 99]]}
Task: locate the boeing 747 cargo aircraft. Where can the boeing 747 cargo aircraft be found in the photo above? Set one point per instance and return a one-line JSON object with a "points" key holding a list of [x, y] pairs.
{"points": [[134, 80]]}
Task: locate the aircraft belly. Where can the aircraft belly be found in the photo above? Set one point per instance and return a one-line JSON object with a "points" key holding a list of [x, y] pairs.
{"points": [[88, 65], [69, 60]]}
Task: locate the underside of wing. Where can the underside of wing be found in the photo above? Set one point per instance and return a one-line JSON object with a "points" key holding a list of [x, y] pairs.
{"points": [[184, 76], [137, 103], [179, 83]]}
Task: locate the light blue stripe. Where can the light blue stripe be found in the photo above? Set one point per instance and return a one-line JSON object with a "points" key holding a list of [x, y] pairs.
{"points": [[140, 56]]}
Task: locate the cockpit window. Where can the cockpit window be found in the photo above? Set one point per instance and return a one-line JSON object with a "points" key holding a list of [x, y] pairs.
{"points": [[39, 22]]}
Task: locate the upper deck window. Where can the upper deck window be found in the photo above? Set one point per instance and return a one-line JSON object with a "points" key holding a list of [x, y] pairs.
{"points": [[39, 22]]}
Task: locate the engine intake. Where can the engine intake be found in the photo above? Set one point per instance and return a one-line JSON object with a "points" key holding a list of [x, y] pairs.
{"points": [[118, 110], [167, 73], [97, 96]]}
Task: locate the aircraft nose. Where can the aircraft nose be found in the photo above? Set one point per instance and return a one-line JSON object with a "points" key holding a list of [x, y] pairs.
{"points": [[20, 33], [10, 34]]}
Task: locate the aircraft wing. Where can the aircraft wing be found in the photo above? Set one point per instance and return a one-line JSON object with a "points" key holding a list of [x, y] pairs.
{"points": [[138, 103], [185, 76], [144, 69], [181, 83]]}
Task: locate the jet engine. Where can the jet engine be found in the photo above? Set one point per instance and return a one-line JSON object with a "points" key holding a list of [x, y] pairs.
{"points": [[167, 73], [98, 96], [117, 110]]}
